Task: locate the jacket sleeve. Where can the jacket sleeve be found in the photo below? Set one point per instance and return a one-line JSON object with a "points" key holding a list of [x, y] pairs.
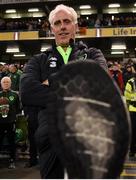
{"points": [[98, 57], [32, 91]]}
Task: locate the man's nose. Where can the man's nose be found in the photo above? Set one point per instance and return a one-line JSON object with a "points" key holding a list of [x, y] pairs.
{"points": [[63, 25]]}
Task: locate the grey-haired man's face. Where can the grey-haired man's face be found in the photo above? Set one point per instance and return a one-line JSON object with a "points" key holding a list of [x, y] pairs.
{"points": [[63, 28], [6, 84]]}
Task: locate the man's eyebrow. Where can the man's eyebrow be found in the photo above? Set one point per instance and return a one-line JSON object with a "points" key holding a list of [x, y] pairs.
{"points": [[58, 21], [67, 19]]}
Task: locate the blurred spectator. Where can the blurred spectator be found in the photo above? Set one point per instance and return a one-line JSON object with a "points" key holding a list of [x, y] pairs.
{"points": [[82, 22], [46, 25], [5, 70], [91, 22], [19, 70], [97, 23], [130, 95], [1, 73], [2, 24], [15, 77], [116, 74], [32, 24], [107, 21], [131, 62], [9, 107], [128, 73]]}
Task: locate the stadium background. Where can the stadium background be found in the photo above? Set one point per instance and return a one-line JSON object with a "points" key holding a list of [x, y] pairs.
{"points": [[31, 40], [18, 44]]}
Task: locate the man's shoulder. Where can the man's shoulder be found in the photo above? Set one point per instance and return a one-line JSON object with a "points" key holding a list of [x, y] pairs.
{"points": [[94, 49], [36, 60], [83, 45], [40, 56], [12, 92], [43, 56], [44, 53]]}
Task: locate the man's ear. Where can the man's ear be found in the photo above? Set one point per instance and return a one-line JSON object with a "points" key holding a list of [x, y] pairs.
{"points": [[76, 29], [52, 31]]}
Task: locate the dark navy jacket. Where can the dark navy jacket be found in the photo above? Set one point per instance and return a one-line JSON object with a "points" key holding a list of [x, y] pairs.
{"points": [[41, 66], [34, 94]]}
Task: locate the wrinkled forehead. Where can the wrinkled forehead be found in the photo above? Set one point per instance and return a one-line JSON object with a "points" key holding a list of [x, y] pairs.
{"points": [[62, 15], [5, 80]]}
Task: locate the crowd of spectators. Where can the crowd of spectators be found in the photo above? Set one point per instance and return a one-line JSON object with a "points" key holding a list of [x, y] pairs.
{"points": [[122, 72], [14, 71], [23, 122], [84, 21], [23, 24], [107, 21]]}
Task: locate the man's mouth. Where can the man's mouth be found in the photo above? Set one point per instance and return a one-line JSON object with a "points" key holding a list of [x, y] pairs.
{"points": [[64, 34]]}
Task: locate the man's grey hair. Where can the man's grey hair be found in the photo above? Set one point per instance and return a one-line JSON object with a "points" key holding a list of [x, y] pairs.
{"points": [[5, 78], [65, 8]]}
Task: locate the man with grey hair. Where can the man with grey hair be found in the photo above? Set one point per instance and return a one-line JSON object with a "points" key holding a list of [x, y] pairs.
{"points": [[38, 78], [9, 107]]}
